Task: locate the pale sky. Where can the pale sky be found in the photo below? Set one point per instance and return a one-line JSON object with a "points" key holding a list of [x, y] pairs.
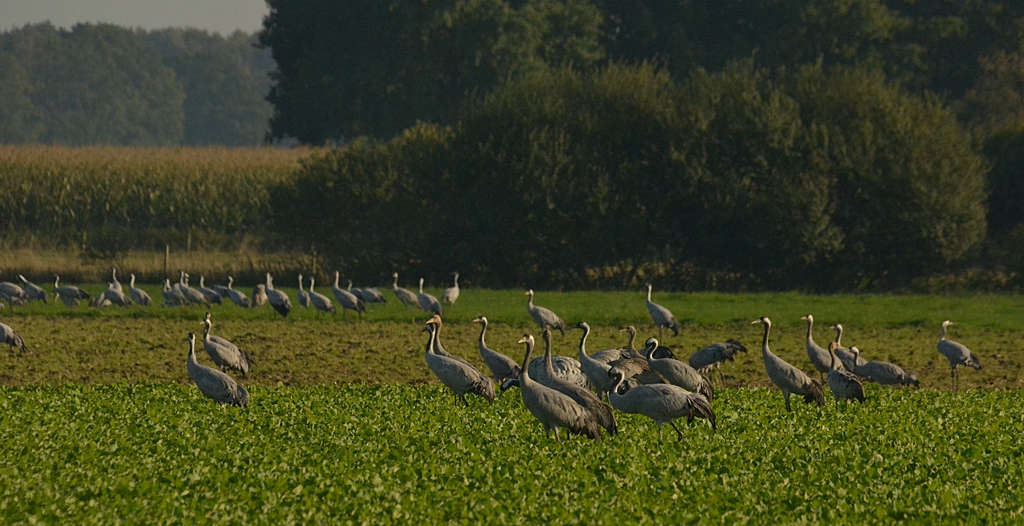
{"points": [[221, 16]]}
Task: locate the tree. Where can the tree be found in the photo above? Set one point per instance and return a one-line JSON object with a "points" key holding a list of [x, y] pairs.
{"points": [[19, 120]]}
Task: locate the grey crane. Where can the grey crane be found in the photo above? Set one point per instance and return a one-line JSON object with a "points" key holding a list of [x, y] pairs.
{"points": [[662, 317], [714, 355], [357, 292], [427, 301], [438, 348], [545, 318], [214, 384], [554, 409], [224, 353], [566, 368], [35, 292], [581, 395], [676, 372], [957, 354], [597, 372], [884, 373], [211, 295], [406, 296], [193, 295], [451, 294], [459, 376], [14, 294], [631, 362], [238, 297], [843, 384], [303, 295], [8, 336], [259, 295], [112, 296], [346, 299], [502, 367], [221, 290], [277, 299], [846, 357], [173, 297], [662, 403], [116, 285], [820, 358], [69, 294], [372, 295], [139, 296], [319, 301], [787, 378]]}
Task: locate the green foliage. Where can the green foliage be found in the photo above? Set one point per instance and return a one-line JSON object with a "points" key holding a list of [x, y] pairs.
{"points": [[398, 454]]}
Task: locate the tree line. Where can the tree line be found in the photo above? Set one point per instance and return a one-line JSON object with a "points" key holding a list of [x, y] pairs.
{"points": [[107, 85], [826, 145]]}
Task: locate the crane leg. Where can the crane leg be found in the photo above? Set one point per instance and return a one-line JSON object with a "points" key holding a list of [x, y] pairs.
{"points": [[720, 375], [788, 408], [679, 434], [557, 436], [661, 329]]}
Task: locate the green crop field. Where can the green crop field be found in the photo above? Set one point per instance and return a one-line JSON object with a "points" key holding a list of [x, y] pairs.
{"points": [[160, 453], [101, 423]]}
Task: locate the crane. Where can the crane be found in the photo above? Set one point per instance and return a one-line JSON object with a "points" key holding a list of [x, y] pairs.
{"points": [[662, 403], [346, 299], [820, 358], [35, 292], [173, 297], [957, 354], [69, 294], [714, 355], [597, 372], [14, 294], [502, 367], [662, 317], [676, 372], [236, 296], [321, 302], [451, 294], [211, 295], [277, 299], [884, 373], [460, 377], [116, 285], [139, 296], [545, 318], [554, 410], [787, 378], [843, 384], [406, 296], [193, 295], [846, 357], [224, 353], [259, 295], [427, 301], [11, 338], [214, 384], [581, 395], [303, 295]]}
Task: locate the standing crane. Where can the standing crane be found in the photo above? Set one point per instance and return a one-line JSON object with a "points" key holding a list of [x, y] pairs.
{"points": [[843, 384], [502, 367], [676, 372], [319, 301], [846, 357], [451, 294], [545, 318], [406, 296], [211, 295], [662, 317], [346, 299], [193, 295], [214, 384], [957, 354], [69, 294], [597, 372], [35, 292], [884, 373], [621, 353], [303, 295], [277, 299], [112, 296], [554, 410], [459, 376], [8, 336], [224, 353], [139, 296], [662, 403], [820, 358], [427, 301], [116, 285], [259, 295], [786, 377], [173, 297], [713, 355], [584, 397], [236, 296]]}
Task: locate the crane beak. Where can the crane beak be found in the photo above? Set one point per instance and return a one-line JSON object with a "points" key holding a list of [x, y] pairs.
{"points": [[755, 322]]}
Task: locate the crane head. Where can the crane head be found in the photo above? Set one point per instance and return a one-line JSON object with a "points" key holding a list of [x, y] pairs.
{"points": [[762, 319], [808, 318], [527, 339], [480, 319]]}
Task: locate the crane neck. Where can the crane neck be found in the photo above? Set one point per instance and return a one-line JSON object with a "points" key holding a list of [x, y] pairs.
{"points": [[337, 276], [810, 326], [649, 293], [312, 282], [394, 284], [456, 280], [583, 342], [230, 281], [631, 347], [483, 330], [421, 285], [548, 366], [832, 358], [300, 283], [943, 337], [764, 341], [431, 338], [207, 325], [524, 375], [839, 336], [132, 282]]}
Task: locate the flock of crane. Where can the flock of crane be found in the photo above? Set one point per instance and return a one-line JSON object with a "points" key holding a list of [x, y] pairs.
{"points": [[561, 392]]}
